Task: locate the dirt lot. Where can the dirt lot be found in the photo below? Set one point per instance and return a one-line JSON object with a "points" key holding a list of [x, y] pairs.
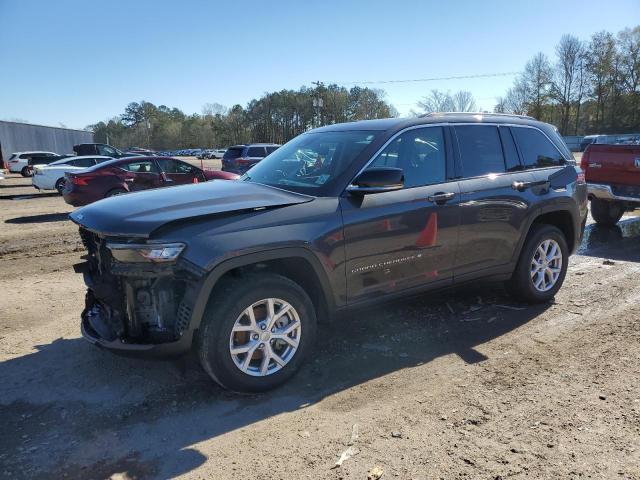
{"points": [[464, 384]]}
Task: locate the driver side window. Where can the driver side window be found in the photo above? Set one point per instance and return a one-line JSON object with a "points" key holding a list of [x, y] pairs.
{"points": [[420, 153]]}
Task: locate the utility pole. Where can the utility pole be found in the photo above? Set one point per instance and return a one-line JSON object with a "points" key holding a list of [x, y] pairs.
{"points": [[317, 104]]}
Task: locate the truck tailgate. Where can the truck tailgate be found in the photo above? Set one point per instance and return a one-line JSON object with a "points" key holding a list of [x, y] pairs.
{"points": [[612, 164]]}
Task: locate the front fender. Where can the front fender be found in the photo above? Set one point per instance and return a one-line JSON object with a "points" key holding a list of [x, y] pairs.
{"points": [[211, 279]]}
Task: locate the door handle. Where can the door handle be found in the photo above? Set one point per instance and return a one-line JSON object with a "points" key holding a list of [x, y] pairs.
{"points": [[522, 186], [441, 197]]}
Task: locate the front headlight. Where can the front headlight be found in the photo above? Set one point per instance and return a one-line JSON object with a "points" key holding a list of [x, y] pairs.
{"points": [[160, 252]]}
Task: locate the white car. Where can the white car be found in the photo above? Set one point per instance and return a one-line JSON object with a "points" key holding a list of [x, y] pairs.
{"points": [[19, 161], [218, 153], [51, 177]]}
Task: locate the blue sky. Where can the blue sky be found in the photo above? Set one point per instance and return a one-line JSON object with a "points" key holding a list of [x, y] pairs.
{"points": [[78, 62]]}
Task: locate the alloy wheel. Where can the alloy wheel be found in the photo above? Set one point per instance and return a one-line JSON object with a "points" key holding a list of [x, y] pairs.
{"points": [[265, 337], [546, 265]]}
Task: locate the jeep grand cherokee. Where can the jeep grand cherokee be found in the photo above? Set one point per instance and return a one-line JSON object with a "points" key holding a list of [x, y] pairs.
{"points": [[339, 217]]}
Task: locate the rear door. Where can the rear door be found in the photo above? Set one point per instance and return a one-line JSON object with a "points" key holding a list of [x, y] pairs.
{"points": [[403, 239], [492, 210]]}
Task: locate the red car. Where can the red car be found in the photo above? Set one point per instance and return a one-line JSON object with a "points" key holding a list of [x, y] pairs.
{"points": [[132, 174]]}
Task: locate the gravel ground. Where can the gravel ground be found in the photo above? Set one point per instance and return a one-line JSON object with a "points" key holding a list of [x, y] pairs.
{"points": [[461, 384]]}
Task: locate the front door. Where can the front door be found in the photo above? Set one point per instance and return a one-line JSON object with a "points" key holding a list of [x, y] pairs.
{"points": [[176, 172], [399, 240], [142, 175]]}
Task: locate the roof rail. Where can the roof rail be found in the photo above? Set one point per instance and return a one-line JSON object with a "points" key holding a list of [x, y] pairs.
{"points": [[488, 114]]}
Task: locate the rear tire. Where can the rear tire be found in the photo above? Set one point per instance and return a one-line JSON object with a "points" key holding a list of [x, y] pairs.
{"points": [[115, 192], [226, 328], [606, 213], [531, 268], [25, 172], [60, 185]]}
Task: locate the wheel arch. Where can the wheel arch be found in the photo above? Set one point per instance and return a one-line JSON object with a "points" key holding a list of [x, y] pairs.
{"points": [[562, 218], [297, 263]]}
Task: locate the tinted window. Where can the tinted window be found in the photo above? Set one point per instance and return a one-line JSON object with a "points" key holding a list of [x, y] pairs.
{"points": [[106, 151], [271, 150], [255, 152], [145, 166], [233, 153], [84, 162], [536, 149], [170, 165], [510, 152], [420, 153], [480, 150]]}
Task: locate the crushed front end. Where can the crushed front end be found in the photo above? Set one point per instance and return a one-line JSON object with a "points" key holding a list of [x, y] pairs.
{"points": [[140, 295]]}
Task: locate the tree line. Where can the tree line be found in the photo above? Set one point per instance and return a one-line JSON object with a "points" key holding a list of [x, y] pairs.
{"points": [[275, 117], [590, 86]]}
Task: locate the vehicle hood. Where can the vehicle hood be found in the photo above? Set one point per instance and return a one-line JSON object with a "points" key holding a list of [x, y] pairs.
{"points": [[139, 214]]}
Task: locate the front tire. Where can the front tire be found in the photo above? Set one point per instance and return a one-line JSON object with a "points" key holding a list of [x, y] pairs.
{"points": [[542, 265], [606, 213], [256, 332]]}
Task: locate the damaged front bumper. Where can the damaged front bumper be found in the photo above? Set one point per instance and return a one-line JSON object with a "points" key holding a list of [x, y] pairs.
{"points": [[140, 309]]}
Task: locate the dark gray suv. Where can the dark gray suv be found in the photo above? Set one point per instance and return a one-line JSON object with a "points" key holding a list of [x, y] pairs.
{"points": [[339, 217], [240, 158]]}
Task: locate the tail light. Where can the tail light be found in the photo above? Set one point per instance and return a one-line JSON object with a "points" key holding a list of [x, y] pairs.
{"points": [[585, 159], [243, 161], [81, 180]]}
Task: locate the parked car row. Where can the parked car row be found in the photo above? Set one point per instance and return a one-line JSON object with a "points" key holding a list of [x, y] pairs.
{"points": [[130, 174], [631, 139]]}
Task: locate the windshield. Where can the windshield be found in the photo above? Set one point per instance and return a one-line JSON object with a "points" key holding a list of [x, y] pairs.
{"points": [[310, 161]]}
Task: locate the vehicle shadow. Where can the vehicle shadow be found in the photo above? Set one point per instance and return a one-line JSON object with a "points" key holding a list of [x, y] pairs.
{"points": [[160, 409], [28, 196], [618, 242], [44, 218]]}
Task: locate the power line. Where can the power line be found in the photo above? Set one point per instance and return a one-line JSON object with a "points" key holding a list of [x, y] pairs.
{"points": [[431, 79]]}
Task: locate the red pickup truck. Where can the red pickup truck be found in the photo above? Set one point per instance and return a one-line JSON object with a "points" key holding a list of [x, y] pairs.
{"points": [[612, 173]]}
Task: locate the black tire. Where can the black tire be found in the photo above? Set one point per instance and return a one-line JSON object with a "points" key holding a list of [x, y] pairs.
{"points": [[115, 192], [606, 213], [60, 185], [227, 303], [521, 286], [25, 172]]}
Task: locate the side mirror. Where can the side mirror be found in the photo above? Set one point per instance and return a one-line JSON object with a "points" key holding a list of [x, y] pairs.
{"points": [[377, 180]]}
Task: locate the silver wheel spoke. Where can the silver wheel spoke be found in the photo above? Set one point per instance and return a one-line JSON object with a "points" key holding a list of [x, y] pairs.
{"points": [[247, 359], [247, 347]]}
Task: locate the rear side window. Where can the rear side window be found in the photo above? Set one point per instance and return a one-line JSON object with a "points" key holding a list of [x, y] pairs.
{"points": [[480, 150], [106, 151], [255, 152], [511, 158], [84, 162], [24, 156], [140, 167], [271, 150], [536, 149], [232, 153]]}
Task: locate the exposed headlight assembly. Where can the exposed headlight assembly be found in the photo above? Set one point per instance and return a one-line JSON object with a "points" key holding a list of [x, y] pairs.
{"points": [[157, 253]]}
